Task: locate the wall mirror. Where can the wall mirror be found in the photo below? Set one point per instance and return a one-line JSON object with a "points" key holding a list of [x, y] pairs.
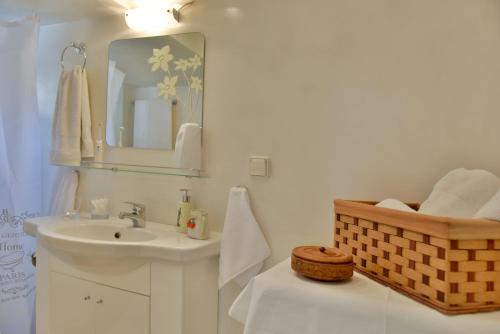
{"points": [[155, 84]]}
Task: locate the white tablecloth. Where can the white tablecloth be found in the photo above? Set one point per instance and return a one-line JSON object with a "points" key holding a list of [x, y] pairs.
{"points": [[279, 301]]}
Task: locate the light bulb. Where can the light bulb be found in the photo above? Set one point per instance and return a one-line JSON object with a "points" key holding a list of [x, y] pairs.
{"points": [[151, 18]]}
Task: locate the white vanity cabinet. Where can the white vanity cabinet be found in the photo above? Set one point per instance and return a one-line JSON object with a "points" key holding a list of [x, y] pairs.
{"points": [[151, 280], [81, 307], [71, 311], [120, 312]]}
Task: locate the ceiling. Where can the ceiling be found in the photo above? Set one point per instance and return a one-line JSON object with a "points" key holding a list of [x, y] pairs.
{"points": [[57, 11]]}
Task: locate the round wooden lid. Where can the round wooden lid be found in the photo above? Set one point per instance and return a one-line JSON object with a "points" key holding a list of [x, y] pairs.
{"points": [[321, 254]]}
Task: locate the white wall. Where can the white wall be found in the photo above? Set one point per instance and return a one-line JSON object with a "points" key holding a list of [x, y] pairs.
{"points": [[354, 99]]}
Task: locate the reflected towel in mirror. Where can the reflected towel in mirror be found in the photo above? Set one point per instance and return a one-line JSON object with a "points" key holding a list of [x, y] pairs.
{"points": [[188, 146]]}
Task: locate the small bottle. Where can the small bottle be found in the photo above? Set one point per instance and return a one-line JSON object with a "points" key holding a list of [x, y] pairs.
{"points": [[120, 136], [198, 225], [99, 149], [184, 211]]}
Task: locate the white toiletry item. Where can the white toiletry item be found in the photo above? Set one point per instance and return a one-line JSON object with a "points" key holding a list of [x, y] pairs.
{"points": [[197, 227], [99, 146], [99, 208], [184, 211], [187, 152], [461, 193], [394, 204], [121, 130], [491, 210], [243, 246]]}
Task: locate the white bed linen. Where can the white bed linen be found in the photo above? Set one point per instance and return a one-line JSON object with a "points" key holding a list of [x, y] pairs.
{"points": [[279, 301]]}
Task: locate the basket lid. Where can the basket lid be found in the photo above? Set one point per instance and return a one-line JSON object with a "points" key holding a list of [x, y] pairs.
{"points": [[321, 254]]}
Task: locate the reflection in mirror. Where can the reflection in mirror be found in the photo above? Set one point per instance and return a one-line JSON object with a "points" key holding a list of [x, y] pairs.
{"points": [[155, 84]]}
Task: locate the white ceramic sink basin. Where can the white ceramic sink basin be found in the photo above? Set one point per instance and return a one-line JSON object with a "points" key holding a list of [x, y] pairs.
{"points": [[105, 232], [117, 238]]}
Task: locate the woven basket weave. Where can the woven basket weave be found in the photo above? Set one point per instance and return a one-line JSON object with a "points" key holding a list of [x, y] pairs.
{"points": [[452, 265]]}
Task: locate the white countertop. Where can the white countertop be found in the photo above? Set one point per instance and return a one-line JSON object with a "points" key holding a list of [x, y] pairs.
{"points": [[169, 244], [280, 301]]}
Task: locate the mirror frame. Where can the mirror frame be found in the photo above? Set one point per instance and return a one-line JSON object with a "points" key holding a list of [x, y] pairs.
{"points": [[140, 157]]}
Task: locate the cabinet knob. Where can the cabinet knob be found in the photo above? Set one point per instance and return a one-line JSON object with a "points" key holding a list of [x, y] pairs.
{"points": [[86, 298], [33, 259], [100, 301]]}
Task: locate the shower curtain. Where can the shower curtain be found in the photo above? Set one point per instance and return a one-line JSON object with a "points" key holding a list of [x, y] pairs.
{"points": [[20, 179], [115, 104]]}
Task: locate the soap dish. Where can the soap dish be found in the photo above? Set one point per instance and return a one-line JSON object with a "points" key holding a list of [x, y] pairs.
{"points": [[322, 263]]}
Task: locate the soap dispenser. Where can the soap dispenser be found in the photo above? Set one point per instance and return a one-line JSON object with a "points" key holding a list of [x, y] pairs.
{"points": [[184, 211]]}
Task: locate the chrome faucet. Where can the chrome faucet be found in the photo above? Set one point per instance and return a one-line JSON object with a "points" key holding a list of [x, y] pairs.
{"points": [[137, 216]]}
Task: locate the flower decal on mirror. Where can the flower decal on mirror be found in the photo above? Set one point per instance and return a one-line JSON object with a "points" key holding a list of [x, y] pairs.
{"points": [[195, 62], [181, 64], [167, 88], [196, 84], [170, 88], [161, 58]]}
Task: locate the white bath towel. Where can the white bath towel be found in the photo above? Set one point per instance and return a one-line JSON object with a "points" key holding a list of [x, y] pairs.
{"points": [[71, 129], [395, 204], [491, 210], [461, 193], [243, 246], [64, 198], [188, 146]]}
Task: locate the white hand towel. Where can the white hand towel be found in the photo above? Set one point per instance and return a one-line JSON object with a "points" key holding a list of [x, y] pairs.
{"points": [[188, 146], [71, 129], [64, 198], [491, 210], [461, 193], [87, 142], [243, 246], [395, 204]]}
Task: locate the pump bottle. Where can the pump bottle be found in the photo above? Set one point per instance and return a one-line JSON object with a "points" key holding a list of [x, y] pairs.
{"points": [[184, 211]]}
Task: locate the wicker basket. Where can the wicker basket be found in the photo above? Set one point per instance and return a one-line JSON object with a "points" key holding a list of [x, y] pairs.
{"points": [[451, 265]]}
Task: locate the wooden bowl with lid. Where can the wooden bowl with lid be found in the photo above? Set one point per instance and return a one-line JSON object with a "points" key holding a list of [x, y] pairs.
{"points": [[322, 263]]}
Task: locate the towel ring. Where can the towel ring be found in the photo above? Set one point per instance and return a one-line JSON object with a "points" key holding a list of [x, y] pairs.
{"points": [[80, 49]]}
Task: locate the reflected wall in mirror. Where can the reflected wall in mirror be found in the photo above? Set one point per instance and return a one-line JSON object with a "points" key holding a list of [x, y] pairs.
{"points": [[155, 84]]}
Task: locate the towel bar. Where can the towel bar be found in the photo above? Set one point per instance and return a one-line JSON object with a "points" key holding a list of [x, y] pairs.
{"points": [[80, 49]]}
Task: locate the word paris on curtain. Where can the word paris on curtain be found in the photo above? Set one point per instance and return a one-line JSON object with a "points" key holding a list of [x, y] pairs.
{"points": [[20, 179]]}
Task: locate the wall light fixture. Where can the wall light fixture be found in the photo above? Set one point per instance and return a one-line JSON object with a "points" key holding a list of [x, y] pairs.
{"points": [[153, 18]]}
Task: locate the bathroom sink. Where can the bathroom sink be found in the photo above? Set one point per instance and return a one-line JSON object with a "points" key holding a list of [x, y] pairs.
{"points": [[106, 232], [112, 238]]}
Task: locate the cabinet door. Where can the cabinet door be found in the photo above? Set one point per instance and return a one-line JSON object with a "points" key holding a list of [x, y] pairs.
{"points": [[120, 312], [71, 305]]}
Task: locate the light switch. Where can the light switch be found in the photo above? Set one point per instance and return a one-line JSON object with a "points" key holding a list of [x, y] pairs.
{"points": [[259, 166]]}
